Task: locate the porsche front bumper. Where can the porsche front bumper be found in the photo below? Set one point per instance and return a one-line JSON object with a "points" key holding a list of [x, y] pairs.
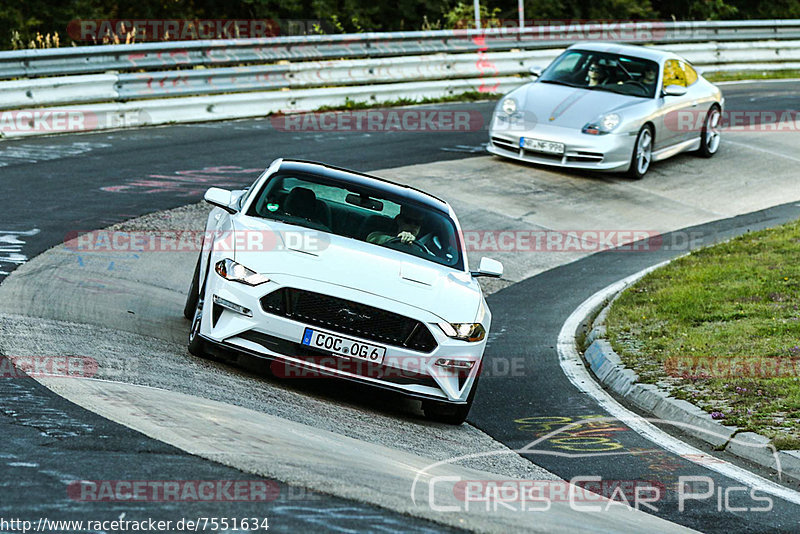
{"points": [[609, 152]]}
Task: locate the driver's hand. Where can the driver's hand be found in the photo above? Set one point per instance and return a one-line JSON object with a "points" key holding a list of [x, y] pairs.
{"points": [[406, 237]]}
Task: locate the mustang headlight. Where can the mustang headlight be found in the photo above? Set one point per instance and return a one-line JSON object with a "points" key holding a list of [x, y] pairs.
{"points": [[464, 331], [509, 106], [603, 125], [467, 331], [236, 272]]}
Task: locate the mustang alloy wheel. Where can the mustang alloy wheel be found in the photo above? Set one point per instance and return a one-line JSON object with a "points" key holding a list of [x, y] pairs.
{"points": [[197, 346]]}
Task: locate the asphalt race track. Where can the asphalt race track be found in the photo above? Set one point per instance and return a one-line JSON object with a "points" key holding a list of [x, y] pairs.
{"points": [[55, 185], [518, 409]]}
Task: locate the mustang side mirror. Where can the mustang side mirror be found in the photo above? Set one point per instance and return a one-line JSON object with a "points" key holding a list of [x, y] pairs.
{"points": [[220, 198], [674, 90], [489, 267]]}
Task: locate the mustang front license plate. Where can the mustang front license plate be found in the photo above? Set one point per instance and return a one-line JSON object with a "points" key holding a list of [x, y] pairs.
{"points": [[548, 147], [343, 346]]}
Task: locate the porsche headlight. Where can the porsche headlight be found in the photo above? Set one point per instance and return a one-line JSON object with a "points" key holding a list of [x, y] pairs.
{"points": [[610, 121], [603, 125], [509, 106], [236, 272]]}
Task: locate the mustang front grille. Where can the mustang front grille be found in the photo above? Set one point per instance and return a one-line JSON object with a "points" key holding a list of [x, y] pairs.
{"points": [[349, 317]]}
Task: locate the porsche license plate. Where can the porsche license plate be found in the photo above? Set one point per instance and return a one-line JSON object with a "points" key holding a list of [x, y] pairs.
{"points": [[548, 147], [343, 346]]}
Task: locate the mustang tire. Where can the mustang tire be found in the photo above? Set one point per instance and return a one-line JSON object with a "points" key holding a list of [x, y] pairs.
{"points": [[194, 293], [452, 414], [197, 346]]}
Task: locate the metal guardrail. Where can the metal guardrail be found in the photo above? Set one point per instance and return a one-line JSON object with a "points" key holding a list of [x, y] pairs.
{"points": [[310, 74], [467, 61], [484, 67], [217, 53]]}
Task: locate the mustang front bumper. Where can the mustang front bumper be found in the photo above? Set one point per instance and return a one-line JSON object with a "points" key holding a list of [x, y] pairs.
{"points": [[279, 338]]}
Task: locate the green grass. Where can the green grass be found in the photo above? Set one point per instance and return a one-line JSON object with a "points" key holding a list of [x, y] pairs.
{"points": [[731, 76], [721, 328]]}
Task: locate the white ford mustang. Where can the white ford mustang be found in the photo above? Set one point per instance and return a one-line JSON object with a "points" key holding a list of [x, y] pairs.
{"points": [[336, 273]]}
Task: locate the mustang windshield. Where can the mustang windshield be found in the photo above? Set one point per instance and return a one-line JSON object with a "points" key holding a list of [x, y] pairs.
{"points": [[604, 72], [360, 213]]}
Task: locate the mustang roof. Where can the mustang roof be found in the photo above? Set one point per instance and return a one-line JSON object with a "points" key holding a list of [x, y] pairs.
{"points": [[361, 179], [625, 50]]}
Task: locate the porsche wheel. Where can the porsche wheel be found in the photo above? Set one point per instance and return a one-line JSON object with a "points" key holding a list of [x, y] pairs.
{"points": [[642, 153], [710, 135]]}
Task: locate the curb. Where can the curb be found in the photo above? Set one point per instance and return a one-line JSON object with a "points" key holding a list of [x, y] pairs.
{"points": [[611, 373]]}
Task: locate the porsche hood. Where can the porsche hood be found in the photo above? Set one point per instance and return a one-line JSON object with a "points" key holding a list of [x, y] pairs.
{"points": [[568, 107]]}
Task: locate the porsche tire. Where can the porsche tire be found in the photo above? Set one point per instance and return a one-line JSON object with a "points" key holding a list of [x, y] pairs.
{"points": [[710, 135], [642, 155]]}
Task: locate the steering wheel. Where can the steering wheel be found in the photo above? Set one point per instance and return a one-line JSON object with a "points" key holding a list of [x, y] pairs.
{"points": [[638, 84], [415, 243]]}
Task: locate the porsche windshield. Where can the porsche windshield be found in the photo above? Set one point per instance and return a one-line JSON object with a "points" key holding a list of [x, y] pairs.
{"points": [[356, 212], [604, 72]]}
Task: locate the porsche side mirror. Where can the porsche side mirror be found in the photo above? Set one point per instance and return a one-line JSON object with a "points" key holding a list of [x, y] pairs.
{"points": [[489, 267], [674, 90], [535, 71], [220, 198]]}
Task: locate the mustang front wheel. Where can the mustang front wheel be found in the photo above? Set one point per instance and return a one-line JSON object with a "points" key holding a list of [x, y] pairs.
{"points": [[197, 346], [452, 414], [194, 293]]}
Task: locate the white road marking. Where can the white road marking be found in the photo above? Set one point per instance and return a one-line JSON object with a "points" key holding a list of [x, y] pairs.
{"points": [[35, 153], [764, 150], [573, 366], [11, 247], [747, 82]]}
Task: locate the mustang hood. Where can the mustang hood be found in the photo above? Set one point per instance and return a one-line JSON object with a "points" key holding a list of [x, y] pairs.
{"points": [[328, 258], [568, 107]]}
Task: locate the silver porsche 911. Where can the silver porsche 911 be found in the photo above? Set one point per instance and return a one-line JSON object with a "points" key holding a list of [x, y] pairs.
{"points": [[609, 107]]}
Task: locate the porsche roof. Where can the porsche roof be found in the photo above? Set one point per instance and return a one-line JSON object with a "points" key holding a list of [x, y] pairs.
{"points": [[624, 50], [368, 181]]}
